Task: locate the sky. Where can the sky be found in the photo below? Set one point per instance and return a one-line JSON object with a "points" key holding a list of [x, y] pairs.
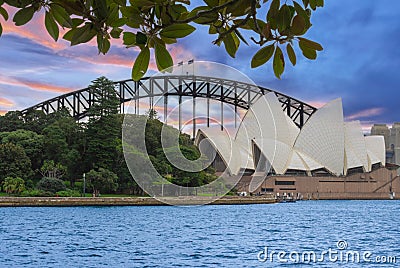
{"points": [[360, 62]]}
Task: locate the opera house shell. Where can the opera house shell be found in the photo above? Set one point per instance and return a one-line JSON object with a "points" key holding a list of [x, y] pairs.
{"points": [[327, 157]]}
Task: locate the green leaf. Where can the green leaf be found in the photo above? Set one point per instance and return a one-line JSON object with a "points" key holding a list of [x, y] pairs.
{"points": [[177, 30], [279, 62], [262, 56], [51, 25], [298, 25], [273, 10], [291, 54], [129, 38], [4, 13], [119, 22], [309, 53], [1, 29], [141, 38], [313, 4], [116, 32], [141, 64], [60, 15], [230, 45], [320, 3], [163, 58], [23, 15], [300, 11], [83, 34], [106, 46], [310, 44], [120, 2], [283, 18]]}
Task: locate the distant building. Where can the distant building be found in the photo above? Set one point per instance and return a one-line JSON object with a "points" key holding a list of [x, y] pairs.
{"points": [[392, 141]]}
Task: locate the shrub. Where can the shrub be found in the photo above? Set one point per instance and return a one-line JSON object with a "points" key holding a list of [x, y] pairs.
{"points": [[36, 193], [13, 185], [68, 193], [52, 185]]}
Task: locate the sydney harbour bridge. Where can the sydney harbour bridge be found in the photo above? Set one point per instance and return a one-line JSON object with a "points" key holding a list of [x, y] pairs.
{"points": [[239, 95]]}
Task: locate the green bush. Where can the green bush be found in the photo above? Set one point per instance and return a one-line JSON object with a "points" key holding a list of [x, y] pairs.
{"points": [[52, 185], [36, 193], [68, 193]]}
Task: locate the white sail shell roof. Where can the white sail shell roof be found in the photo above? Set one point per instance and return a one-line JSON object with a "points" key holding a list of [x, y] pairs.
{"points": [[355, 148], [296, 162], [376, 149], [322, 137], [277, 153], [224, 146], [325, 141]]}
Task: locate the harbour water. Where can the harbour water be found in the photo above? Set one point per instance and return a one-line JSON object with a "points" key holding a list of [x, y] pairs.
{"points": [[204, 236]]}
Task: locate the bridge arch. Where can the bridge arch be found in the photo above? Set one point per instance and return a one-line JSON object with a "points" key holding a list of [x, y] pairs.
{"points": [[238, 94]]}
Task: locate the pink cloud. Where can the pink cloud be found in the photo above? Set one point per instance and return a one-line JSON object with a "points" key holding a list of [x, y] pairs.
{"points": [[316, 104], [365, 113], [33, 30], [35, 85], [6, 103]]}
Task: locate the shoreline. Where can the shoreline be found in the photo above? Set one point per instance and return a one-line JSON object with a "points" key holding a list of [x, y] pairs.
{"points": [[130, 201]]}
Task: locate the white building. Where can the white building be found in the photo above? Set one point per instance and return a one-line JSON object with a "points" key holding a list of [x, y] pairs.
{"points": [[268, 142]]}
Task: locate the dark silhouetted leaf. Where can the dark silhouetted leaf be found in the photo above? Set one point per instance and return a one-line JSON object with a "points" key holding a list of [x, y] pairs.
{"points": [[60, 15], [310, 44], [51, 25], [279, 62], [262, 56], [291, 54], [23, 15], [309, 53], [230, 45], [141, 38], [177, 30], [4, 13], [298, 25], [163, 58], [141, 64], [129, 38]]}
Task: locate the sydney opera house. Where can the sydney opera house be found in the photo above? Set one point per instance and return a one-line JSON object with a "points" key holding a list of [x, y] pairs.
{"points": [[327, 158]]}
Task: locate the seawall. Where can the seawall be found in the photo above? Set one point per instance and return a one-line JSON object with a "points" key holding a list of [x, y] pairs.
{"points": [[129, 201]]}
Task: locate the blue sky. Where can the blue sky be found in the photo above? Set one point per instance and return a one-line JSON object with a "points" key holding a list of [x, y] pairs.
{"points": [[360, 62]]}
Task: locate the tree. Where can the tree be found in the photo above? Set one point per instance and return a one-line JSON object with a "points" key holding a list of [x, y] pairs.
{"points": [[13, 185], [30, 141], [102, 180], [153, 25], [52, 170], [14, 162], [52, 185], [11, 121], [104, 126]]}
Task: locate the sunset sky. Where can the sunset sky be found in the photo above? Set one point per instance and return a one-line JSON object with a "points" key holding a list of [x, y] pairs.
{"points": [[360, 62]]}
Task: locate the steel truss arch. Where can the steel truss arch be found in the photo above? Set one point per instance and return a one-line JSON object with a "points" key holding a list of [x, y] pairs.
{"points": [[239, 94]]}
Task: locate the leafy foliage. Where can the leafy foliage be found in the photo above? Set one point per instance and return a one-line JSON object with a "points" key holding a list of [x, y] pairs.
{"points": [[154, 24], [14, 162], [52, 185], [102, 180], [13, 185]]}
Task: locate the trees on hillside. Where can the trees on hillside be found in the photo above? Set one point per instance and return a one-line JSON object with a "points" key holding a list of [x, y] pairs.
{"points": [[148, 24], [14, 162], [102, 180]]}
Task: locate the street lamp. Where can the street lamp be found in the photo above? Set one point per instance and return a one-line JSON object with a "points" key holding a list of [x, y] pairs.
{"points": [[84, 184]]}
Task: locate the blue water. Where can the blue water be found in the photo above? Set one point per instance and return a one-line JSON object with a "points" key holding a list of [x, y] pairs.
{"points": [[206, 236]]}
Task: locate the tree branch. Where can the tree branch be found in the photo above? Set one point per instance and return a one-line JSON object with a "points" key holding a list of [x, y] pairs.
{"points": [[233, 28]]}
